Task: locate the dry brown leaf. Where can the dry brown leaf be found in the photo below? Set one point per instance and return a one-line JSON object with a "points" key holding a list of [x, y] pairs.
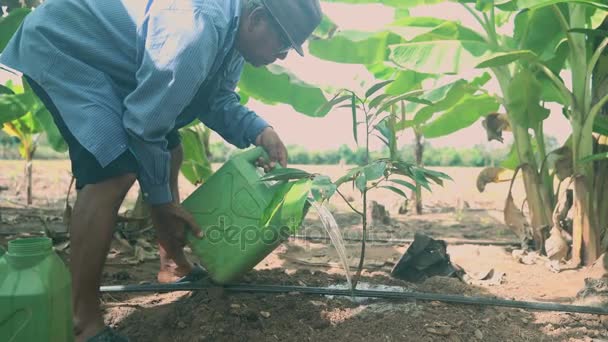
{"points": [[495, 124], [492, 175], [556, 246], [67, 215], [561, 162], [515, 219]]}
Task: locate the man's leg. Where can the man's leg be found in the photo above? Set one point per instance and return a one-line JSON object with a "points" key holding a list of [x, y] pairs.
{"points": [[91, 229], [173, 261]]}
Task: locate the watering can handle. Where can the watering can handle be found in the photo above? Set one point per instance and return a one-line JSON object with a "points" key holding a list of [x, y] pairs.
{"points": [[252, 155]]}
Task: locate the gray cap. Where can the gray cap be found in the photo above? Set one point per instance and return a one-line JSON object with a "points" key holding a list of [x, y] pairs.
{"points": [[297, 18]]}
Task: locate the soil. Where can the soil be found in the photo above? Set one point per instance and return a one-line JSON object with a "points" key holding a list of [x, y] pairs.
{"points": [[455, 212]]}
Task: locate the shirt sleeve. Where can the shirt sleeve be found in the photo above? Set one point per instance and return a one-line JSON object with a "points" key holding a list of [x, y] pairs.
{"points": [[179, 49], [236, 123]]}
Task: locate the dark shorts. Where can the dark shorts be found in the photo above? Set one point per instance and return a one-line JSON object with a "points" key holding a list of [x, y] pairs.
{"points": [[85, 167]]}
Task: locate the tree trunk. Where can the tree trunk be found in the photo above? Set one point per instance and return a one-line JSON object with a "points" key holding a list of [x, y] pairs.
{"points": [[28, 177], [539, 202], [600, 88], [585, 244], [419, 151], [600, 199]]}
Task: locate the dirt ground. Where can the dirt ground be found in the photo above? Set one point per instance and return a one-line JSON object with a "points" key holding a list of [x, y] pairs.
{"points": [[455, 212]]}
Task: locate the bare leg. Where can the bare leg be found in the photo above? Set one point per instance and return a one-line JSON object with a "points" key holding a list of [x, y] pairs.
{"points": [[91, 229], [173, 262]]}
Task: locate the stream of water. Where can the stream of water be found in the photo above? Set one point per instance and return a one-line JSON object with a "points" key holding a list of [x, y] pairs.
{"points": [[331, 226]]}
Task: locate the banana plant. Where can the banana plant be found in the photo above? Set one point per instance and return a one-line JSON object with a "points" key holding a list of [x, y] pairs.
{"points": [[456, 105], [28, 120], [526, 66]]}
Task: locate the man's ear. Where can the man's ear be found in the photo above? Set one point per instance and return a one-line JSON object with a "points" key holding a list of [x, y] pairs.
{"points": [[256, 18]]}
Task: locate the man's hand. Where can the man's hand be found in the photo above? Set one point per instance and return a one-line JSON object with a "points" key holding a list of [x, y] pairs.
{"points": [[171, 221], [270, 141]]}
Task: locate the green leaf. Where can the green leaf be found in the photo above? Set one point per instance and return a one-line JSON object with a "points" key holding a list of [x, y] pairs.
{"points": [[404, 183], [541, 4], [383, 139], [285, 173], [411, 97], [450, 30], [601, 125], [377, 101], [436, 174], [14, 106], [393, 3], [196, 168], [274, 84], [439, 56], [326, 29], [275, 203], [382, 70], [327, 106], [593, 33], [524, 95], [504, 58], [511, 162], [50, 128], [443, 98], [10, 24], [406, 81], [484, 5], [594, 157], [395, 190], [361, 182], [349, 176], [420, 178], [466, 112], [411, 27], [371, 91], [550, 92], [292, 209], [322, 188], [375, 170], [4, 90], [355, 47], [353, 107], [538, 31]]}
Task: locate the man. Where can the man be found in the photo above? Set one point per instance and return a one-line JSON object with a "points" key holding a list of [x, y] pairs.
{"points": [[120, 77]]}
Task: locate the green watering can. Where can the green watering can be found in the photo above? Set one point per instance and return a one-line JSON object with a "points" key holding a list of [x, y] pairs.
{"points": [[229, 208]]}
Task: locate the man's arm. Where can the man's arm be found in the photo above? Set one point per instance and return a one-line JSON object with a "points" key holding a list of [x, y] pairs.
{"points": [[180, 48], [236, 123]]}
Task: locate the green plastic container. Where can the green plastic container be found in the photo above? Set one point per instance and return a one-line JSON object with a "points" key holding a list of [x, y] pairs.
{"points": [[35, 293], [229, 207]]}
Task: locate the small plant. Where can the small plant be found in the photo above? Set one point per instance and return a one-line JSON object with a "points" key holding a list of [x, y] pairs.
{"points": [[377, 115]]}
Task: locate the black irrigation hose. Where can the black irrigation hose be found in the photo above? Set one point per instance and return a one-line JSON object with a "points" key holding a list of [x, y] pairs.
{"points": [[458, 299], [404, 241]]}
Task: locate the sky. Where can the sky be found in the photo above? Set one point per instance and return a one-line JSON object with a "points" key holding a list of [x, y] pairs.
{"points": [[335, 129]]}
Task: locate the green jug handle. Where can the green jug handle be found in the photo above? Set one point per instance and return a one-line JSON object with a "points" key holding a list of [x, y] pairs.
{"points": [[252, 155]]}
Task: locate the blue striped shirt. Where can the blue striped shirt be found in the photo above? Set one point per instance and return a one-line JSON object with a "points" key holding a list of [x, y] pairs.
{"points": [[124, 73]]}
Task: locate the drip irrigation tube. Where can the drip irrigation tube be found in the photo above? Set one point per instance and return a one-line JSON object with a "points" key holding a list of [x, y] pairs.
{"points": [[457, 299], [404, 241]]}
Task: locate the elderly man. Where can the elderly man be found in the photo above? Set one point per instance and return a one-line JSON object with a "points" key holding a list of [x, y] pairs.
{"points": [[120, 77]]}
